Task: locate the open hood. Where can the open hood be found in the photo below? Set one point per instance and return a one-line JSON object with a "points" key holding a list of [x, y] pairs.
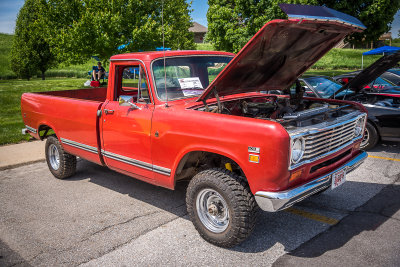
{"points": [[283, 50], [371, 73]]}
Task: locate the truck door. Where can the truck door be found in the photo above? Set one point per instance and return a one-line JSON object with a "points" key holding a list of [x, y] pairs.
{"points": [[126, 128]]}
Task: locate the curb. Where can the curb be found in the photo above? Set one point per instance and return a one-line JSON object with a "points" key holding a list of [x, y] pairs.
{"points": [[13, 166]]}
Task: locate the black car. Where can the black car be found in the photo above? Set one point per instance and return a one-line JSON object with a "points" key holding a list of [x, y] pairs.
{"points": [[382, 103]]}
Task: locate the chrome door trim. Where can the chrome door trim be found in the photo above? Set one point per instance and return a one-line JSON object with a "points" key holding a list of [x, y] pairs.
{"points": [[137, 163], [147, 76], [127, 160]]}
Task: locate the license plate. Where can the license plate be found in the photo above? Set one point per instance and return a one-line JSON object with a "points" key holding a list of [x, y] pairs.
{"points": [[338, 178]]}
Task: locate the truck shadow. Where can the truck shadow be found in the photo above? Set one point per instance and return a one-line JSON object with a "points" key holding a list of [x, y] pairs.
{"points": [[369, 217], [9, 257], [172, 201], [291, 230], [273, 229], [386, 146]]}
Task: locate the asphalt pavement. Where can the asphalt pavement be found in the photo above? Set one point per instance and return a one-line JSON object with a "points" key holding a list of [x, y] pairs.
{"points": [[102, 218]]}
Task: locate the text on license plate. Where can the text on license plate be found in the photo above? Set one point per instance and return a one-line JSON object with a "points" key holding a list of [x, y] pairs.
{"points": [[338, 178]]}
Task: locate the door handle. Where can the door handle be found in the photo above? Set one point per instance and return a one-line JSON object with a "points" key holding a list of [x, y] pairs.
{"points": [[108, 111]]}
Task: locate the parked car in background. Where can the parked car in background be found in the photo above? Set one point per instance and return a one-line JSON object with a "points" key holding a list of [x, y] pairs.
{"points": [[382, 103], [389, 78], [392, 75]]}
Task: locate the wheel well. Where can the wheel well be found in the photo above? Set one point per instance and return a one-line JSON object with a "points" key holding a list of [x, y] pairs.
{"points": [[376, 128], [45, 131], [196, 161]]}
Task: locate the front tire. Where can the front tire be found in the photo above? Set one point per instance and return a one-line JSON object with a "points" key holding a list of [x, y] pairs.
{"points": [[61, 164], [221, 207], [370, 138]]}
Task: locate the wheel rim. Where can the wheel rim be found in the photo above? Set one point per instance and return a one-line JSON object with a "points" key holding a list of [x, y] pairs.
{"points": [[365, 140], [212, 210], [54, 157]]}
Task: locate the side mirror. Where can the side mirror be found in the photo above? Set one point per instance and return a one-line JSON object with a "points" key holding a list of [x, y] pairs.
{"points": [[127, 100]]}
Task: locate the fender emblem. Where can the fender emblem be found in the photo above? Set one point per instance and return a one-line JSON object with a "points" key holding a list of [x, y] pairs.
{"points": [[253, 149]]}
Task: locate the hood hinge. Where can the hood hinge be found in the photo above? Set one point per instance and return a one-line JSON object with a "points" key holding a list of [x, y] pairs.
{"points": [[218, 101]]}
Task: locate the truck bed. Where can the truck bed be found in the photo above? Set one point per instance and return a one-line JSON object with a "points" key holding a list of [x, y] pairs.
{"points": [[92, 94], [72, 114]]}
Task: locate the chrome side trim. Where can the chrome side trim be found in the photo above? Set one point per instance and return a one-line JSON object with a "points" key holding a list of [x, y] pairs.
{"points": [[79, 145], [275, 201], [137, 163], [161, 170], [31, 129]]}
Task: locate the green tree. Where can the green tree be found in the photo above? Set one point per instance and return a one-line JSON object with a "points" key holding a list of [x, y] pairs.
{"points": [[376, 15], [31, 51], [231, 23], [99, 27]]}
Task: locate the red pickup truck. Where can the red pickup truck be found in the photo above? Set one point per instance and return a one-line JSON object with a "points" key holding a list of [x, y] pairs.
{"points": [[200, 116]]}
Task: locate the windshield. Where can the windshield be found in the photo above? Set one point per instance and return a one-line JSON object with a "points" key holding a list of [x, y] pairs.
{"points": [[396, 71], [325, 87], [378, 83], [186, 76]]}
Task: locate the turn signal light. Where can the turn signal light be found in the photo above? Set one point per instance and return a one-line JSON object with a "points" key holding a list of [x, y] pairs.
{"points": [[357, 146], [254, 158], [295, 175]]}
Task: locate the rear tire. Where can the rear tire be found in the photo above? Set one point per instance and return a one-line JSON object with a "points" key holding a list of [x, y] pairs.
{"points": [[370, 138], [221, 207], [61, 164]]}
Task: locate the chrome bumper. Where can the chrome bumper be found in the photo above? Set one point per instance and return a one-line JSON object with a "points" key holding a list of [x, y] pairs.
{"points": [[275, 201]]}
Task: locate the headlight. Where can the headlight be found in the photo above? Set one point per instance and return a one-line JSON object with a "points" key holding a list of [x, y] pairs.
{"points": [[358, 130], [297, 149]]}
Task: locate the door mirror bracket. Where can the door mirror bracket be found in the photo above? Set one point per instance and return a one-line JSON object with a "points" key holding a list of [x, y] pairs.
{"points": [[127, 100]]}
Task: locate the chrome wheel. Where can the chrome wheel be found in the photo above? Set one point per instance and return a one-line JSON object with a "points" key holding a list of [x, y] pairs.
{"points": [[212, 210], [54, 156], [365, 140]]}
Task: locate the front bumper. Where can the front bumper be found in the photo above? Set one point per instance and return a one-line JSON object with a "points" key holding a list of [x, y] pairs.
{"points": [[275, 201]]}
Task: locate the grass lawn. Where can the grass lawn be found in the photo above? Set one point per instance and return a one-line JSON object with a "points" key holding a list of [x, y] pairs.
{"points": [[205, 46], [327, 72], [349, 59], [10, 103]]}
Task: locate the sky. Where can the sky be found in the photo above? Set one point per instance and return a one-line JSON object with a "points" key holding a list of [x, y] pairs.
{"points": [[9, 10], [8, 14], [199, 13]]}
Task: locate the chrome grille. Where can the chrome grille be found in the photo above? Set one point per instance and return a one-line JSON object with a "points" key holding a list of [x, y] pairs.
{"points": [[324, 141]]}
